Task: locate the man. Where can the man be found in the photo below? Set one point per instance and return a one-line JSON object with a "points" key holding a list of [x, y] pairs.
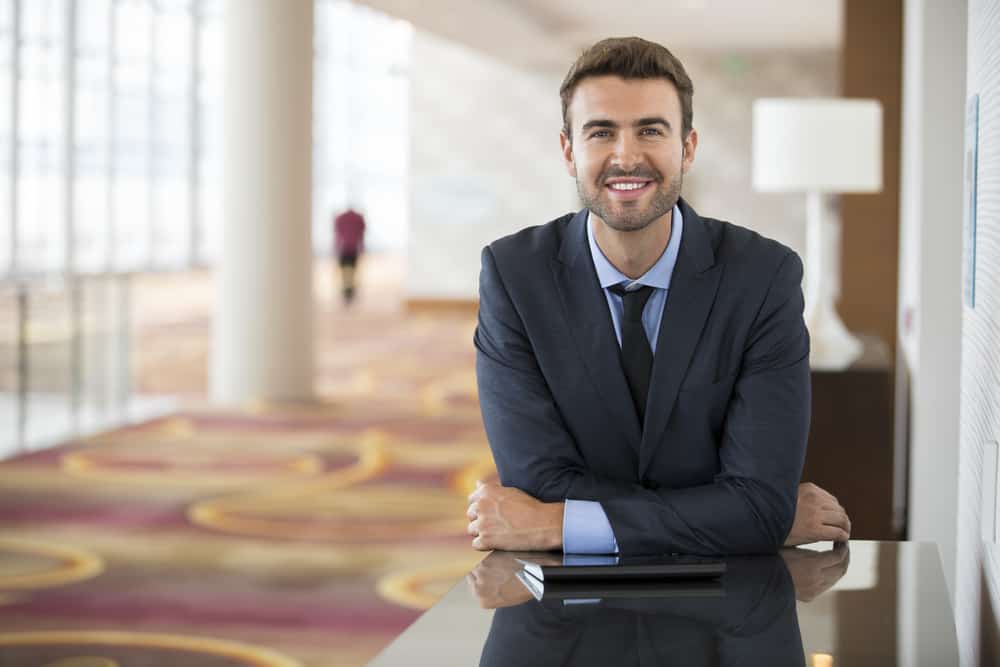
{"points": [[643, 371], [348, 243]]}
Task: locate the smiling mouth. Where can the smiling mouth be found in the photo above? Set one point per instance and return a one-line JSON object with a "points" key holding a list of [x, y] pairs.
{"points": [[628, 189]]}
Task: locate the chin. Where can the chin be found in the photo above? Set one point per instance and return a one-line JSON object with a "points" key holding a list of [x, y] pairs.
{"points": [[630, 224]]}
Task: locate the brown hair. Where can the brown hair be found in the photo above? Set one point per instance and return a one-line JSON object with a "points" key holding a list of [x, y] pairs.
{"points": [[629, 58]]}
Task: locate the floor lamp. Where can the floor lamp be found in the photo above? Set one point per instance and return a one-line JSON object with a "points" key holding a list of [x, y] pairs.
{"points": [[820, 146]]}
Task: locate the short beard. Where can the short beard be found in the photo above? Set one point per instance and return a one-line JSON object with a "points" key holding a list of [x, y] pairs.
{"points": [[663, 202]]}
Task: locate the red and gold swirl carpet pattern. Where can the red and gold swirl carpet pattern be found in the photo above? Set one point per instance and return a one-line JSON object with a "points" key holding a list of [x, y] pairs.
{"points": [[267, 536]]}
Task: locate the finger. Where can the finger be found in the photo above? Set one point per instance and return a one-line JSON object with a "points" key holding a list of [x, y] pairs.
{"points": [[833, 533], [823, 493], [473, 511], [839, 519], [473, 528], [483, 491], [824, 497], [479, 543], [837, 564]]}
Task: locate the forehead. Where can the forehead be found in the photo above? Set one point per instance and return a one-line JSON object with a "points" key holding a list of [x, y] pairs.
{"points": [[618, 99]]}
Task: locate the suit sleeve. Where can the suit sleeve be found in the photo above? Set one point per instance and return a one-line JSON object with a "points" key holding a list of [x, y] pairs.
{"points": [[750, 505], [532, 447]]}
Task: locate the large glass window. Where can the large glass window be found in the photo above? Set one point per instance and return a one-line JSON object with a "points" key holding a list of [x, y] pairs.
{"points": [[171, 133], [93, 135], [210, 48], [42, 115], [133, 111], [6, 132]]}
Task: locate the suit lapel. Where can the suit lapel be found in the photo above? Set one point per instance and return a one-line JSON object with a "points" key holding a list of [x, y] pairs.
{"points": [[692, 292], [586, 311]]}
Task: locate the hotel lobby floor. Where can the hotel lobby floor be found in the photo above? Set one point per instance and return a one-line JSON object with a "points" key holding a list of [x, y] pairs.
{"points": [[271, 535]]}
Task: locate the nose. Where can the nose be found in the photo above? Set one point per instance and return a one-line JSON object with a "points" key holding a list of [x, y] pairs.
{"points": [[626, 155]]}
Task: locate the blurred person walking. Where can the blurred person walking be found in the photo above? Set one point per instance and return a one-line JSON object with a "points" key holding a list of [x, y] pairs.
{"points": [[348, 244]]}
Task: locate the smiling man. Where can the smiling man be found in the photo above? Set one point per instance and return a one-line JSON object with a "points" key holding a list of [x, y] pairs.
{"points": [[643, 371]]}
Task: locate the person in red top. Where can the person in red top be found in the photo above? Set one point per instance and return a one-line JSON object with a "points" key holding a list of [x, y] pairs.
{"points": [[348, 243]]}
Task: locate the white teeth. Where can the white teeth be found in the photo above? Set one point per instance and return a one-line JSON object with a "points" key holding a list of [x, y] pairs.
{"points": [[627, 186]]}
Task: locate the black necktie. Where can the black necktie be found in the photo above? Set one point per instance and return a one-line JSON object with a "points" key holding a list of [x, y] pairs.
{"points": [[637, 357]]}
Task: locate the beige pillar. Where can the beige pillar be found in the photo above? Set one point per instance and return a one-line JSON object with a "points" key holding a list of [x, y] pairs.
{"points": [[262, 335]]}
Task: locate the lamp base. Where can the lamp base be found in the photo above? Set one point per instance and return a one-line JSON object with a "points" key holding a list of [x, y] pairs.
{"points": [[832, 346]]}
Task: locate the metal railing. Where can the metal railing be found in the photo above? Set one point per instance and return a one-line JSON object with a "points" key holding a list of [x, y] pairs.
{"points": [[65, 356]]}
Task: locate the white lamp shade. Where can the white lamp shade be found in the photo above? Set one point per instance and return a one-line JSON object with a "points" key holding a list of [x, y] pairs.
{"points": [[817, 145]]}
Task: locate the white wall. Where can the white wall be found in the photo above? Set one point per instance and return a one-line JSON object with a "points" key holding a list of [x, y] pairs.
{"points": [[978, 578], [930, 262], [484, 162]]}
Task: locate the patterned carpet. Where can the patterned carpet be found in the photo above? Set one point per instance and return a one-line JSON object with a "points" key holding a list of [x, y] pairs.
{"points": [[287, 535]]}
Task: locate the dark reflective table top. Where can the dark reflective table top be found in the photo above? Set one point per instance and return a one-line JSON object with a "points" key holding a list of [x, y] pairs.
{"points": [[866, 603]]}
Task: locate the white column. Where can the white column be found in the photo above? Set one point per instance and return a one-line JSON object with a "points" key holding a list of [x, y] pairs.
{"points": [[262, 335]]}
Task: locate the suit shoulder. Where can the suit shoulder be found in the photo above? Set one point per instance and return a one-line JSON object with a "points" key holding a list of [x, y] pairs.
{"points": [[538, 240], [737, 245]]}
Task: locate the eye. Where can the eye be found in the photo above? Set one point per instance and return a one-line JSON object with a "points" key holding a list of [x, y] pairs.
{"points": [[599, 134], [651, 131]]}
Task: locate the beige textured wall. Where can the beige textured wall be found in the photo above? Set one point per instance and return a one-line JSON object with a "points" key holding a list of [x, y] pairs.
{"points": [[725, 86], [485, 153], [484, 162]]}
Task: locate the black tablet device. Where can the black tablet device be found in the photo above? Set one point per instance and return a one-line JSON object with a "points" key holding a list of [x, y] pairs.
{"points": [[576, 568], [603, 589]]}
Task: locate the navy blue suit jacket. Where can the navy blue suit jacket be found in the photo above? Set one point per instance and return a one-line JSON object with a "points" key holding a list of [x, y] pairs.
{"points": [[716, 465]]}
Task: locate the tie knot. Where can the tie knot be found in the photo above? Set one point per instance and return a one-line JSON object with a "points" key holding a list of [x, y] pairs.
{"points": [[633, 300]]}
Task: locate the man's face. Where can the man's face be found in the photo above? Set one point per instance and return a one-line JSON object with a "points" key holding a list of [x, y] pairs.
{"points": [[626, 153]]}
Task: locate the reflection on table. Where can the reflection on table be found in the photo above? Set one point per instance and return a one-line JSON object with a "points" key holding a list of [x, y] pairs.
{"points": [[866, 603], [749, 619]]}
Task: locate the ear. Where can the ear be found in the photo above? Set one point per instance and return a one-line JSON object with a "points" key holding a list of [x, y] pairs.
{"points": [[567, 153], [689, 147]]}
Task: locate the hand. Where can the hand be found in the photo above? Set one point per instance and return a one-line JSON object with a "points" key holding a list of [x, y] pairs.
{"points": [[818, 516], [505, 518], [814, 572], [494, 582]]}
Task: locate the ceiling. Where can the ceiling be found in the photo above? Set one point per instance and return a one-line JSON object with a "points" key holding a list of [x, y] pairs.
{"points": [[549, 34]]}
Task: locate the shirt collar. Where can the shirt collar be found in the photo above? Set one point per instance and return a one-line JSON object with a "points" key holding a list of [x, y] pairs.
{"points": [[658, 275]]}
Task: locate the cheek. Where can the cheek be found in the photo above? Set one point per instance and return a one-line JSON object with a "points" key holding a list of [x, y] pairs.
{"points": [[668, 165], [588, 168]]}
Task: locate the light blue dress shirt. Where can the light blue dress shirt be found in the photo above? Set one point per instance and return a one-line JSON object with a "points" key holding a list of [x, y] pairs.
{"points": [[586, 529]]}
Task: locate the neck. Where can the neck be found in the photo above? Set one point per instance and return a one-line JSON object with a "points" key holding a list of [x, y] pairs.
{"points": [[634, 252]]}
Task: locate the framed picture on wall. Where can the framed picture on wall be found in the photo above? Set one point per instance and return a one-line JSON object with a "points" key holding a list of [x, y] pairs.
{"points": [[971, 169]]}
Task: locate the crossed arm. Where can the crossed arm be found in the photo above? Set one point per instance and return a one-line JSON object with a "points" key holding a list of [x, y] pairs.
{"points": [[750, 506], [507, 518]]}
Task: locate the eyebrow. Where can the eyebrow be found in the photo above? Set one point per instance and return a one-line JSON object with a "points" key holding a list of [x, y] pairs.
{"points": [[641, 122]]}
